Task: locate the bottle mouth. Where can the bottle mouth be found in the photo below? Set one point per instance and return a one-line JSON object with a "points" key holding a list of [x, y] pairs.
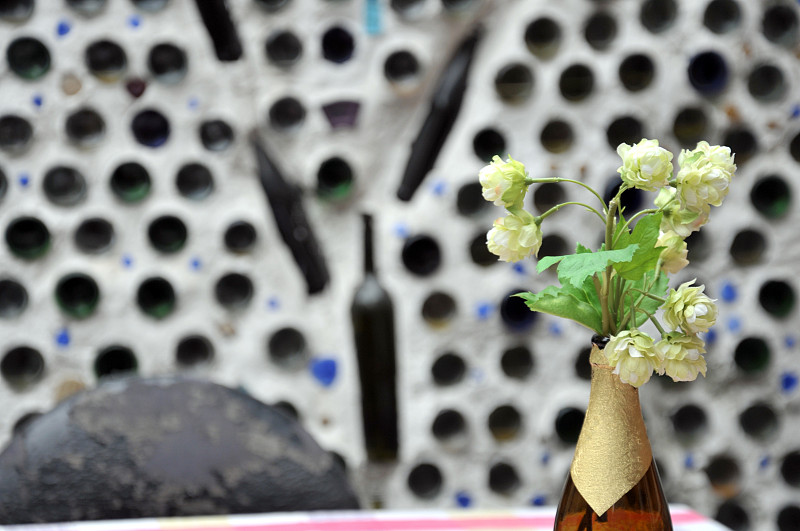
{"points": [[599, 340]]}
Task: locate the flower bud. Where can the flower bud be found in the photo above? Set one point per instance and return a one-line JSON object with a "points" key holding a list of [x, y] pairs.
{"points": [[645, 165], [704, 176], [513, 238], [503, 182], [689, 309], [673, 257], [633, 356]]}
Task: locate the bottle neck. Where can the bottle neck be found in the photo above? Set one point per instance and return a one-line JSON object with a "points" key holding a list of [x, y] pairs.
{"points": [[613, 452], [369, 259]]}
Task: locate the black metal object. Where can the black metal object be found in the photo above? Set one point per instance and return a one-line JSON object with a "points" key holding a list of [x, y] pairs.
{"points": [[135, 448]]}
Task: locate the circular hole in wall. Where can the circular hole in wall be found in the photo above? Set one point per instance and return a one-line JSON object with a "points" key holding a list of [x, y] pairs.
{"points": [[130, 182], [13, 298], [505, 423], [150, 5], [742, 143], [625, 129], [600, 30], [515, 313], [470, 201], [401, 66], [556, 136], [22, 366], [583, 369], [77, 294], [64, 186], [114, 361], [690, 421], [771, 196], [438, 309], [16, 10], [28, 58], [283, 48], [517, 362], [748, 247], [552, 245], [167, 63], [87, 8], [790, 468], [272, 5], [766, 83], [789, 518], [448, 369], [234, 291], [406, 7], [286, 114], [548, 195], [730, 513], [752, 355], [514, 82], [722, 16], [150, 128], [759, 421], [690, 126], [480, 253], [724, 475], [425, 481], [194, 350], [15, 133], [487, 143], [777, 298], [503, 479], [167, 234], [94, 236], [568, 424], [288, 408], [576, 82], [448, 425], [338, 45], [194, 181], [156, 297], [27, 237], [240, 237], [106, 60], [658, 15], [85, 128], [287, 348], [3, 184], [708, 73], [779, 25], [631, 199], [543, 37], [421, 254], [697, 247], [216, 135], [334, 179], [636, 72]]}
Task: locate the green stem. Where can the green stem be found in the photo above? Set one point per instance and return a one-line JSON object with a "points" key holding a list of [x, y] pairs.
{"points": [[560, 205], [610, 218], [561, 179], [646, 294], [655, 322]]}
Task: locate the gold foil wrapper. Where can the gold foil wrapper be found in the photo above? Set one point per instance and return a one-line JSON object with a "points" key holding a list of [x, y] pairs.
{"points": [[613, 452]]}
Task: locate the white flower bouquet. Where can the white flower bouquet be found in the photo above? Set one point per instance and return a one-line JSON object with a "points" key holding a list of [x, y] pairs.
{"points": [[624, 284]]}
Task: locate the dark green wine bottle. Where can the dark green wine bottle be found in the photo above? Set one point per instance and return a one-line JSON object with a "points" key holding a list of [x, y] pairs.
{"points": [[372, 313]]}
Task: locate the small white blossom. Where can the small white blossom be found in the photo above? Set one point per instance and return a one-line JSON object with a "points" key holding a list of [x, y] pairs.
{"points": [[503, 182], [683, 356], [704, 176], [689, 309], [633, 356], [512, 238], [645, 165], [676, 218], [673, 257]]}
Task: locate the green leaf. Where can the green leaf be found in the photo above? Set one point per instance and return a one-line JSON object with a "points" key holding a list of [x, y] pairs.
{"points": [[574, 269], [567, 302], [645, 235], [622, 239]]}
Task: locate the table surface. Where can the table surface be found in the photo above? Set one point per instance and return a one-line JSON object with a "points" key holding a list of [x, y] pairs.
{"points": [[534, 519]]}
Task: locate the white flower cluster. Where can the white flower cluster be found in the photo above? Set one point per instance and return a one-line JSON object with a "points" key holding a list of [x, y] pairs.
{"points": [[679, 354]]}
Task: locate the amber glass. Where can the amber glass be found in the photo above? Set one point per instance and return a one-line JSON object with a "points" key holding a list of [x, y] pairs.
{"points": [[643, 508]]}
